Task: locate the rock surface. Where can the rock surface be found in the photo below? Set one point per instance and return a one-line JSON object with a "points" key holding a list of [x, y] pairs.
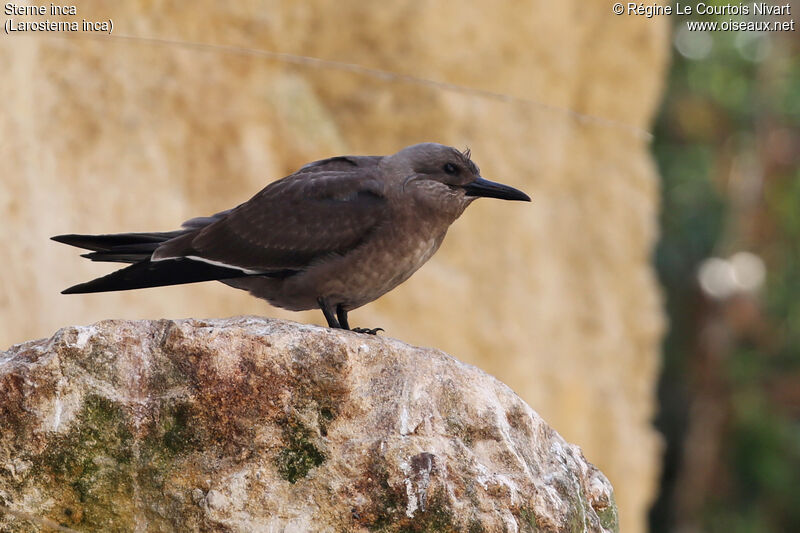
{"points": [[108, 135], [249, 424]]}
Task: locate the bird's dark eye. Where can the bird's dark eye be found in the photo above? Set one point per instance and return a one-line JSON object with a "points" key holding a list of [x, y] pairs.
{"points": [[450, 168]]}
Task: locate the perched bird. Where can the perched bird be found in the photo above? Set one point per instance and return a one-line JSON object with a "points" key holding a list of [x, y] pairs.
{"points": [[335, 235]]}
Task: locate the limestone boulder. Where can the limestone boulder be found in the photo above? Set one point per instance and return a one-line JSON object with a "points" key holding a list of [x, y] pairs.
{"points": [[249, 424]]}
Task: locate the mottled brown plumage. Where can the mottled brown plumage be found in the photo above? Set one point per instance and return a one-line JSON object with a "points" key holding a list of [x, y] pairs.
{"points": [[336, 234]]}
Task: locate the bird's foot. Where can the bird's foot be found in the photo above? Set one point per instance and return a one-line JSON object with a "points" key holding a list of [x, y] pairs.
{"points": [[368, 331]]}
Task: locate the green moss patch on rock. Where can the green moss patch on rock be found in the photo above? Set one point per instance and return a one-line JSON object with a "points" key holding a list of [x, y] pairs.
{"points": [[609, 516], [528, 520], [93, 465], [437, 517], [300, 454]]}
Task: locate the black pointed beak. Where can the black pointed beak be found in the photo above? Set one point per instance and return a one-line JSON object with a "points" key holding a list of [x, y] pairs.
{"points": [[490, 189]]}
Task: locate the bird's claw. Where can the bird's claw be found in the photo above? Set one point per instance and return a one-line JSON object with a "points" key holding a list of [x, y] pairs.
{"points": [[368, 331]]}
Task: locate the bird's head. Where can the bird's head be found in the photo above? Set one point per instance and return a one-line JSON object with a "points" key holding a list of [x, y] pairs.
{"points": [[445, 177]]}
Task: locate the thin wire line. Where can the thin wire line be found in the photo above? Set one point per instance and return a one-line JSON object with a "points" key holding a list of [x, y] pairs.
{"points": [[317, 62]]}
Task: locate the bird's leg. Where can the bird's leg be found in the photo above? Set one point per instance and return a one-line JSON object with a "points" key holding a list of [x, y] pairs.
{"points": [[328, 312], [339, 321], [341, 314]]}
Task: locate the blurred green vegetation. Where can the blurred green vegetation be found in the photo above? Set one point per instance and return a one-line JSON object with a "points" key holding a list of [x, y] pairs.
{"points": [[727, 143]]}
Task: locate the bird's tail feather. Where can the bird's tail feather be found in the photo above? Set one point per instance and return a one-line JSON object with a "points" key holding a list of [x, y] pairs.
{"points": [[119, 247], [148, 273], [138, 248]]}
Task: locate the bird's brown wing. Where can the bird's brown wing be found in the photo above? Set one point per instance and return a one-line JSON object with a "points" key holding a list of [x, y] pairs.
{"points": [[342, 162], [290, 223]]}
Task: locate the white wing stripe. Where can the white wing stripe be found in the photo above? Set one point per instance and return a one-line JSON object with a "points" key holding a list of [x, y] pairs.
{"points": [[210, 262]]}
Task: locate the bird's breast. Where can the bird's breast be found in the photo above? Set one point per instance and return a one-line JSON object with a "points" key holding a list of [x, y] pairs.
{"points": [[382, 262], [382, 266]]}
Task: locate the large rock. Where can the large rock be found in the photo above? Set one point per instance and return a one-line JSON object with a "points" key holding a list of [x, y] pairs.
{"points": [[262, 425], [112, 135]]}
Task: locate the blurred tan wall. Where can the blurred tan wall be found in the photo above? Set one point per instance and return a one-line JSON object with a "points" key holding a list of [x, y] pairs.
{"points": [[557, 297]]}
